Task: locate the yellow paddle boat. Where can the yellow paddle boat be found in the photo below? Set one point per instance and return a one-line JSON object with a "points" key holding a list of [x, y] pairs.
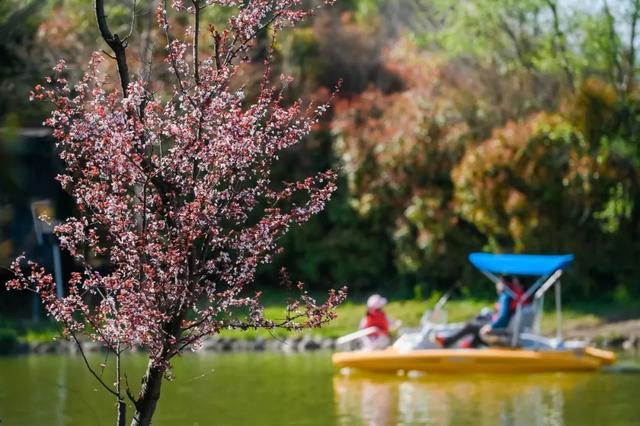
{"points": [[524, 351]]}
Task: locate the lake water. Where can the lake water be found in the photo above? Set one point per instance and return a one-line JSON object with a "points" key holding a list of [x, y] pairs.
{"points": [[304, 389]]}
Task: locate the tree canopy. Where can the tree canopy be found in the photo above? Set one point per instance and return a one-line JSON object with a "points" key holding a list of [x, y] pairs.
{"points": [[487, 125]]}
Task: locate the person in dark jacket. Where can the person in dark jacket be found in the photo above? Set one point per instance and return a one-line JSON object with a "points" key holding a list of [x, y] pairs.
{"points": [[484, 325]]}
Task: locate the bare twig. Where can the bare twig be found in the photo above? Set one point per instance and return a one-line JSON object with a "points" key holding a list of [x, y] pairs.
{"points": [[108, 54], [122, 407], [132, 24], [128, 391], [104, 363], [86, 361]]}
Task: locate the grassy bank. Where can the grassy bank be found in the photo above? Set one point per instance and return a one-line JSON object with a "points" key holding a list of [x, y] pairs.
{"points": [[575, 316]]}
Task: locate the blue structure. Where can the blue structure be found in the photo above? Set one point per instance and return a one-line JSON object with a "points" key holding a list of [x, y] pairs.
{"points": [[547, 268], [520, 264]]}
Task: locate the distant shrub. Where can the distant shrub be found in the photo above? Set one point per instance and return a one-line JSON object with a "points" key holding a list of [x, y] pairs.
{"points": [[8, 338]]}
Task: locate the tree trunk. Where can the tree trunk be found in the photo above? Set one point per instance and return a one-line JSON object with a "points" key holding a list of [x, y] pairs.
{"points": [[152, 380], [149, 396], [122, 412]]}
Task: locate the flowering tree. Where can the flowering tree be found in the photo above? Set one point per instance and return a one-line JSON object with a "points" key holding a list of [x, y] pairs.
{"points": [[173, 189]]}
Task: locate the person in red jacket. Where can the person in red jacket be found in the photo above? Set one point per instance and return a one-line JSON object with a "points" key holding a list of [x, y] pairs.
{"points": [[375, 317]]}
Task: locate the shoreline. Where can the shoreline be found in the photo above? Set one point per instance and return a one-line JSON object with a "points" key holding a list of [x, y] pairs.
{"points": [[211, 345], [619, 335]]}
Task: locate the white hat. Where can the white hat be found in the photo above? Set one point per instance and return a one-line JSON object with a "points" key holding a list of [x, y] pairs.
{"points": [[376, 301]]}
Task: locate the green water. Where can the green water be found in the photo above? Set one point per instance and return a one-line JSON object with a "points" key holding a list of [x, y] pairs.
{"points": [[302, 389]]}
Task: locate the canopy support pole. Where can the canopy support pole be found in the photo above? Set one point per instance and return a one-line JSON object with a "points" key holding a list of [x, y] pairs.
{"points": [[536, 285], [539, 311], [515, 339], [558, 312], [491, 276], [496, 280], [548, 283]]}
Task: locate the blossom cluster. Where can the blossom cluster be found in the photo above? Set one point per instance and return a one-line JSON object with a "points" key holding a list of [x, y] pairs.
{"points": [[174, 192]]}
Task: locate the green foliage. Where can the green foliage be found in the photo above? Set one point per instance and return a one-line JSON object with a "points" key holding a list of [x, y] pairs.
{"points": [[18, 25], [618, 207], [621, 294], [548, 130], [398, 149], [339, 248], [301, 58], [8, 338], [13, 332], [547, 184]]}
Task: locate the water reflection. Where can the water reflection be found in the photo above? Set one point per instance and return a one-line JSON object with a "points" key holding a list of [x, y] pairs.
{"points": [[269, 389], [378, 400]]}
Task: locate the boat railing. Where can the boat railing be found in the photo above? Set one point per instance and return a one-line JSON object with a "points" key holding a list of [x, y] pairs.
{"points": [[434, 316], [356, 336]]}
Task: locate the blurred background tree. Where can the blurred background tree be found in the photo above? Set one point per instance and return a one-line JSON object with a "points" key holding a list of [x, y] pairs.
{"points": [[502, 125]]}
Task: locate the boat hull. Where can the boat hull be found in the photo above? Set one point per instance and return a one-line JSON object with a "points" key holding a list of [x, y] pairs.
{"points": [[476, 360]]}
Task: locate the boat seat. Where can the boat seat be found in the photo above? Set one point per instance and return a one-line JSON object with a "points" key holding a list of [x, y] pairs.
{"points": [[527, 320], [526, 324]]}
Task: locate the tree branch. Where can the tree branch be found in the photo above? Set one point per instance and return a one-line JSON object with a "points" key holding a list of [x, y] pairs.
{"points": [[174, 65], [147, 43], [631, 57], [561, 43], [231, 53], [118, 46], [196, 34], [216, 49], [525, 62], [615, 46]]}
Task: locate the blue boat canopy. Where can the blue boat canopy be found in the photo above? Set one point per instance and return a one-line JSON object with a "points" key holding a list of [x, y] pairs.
{"points": [[520, 264]]}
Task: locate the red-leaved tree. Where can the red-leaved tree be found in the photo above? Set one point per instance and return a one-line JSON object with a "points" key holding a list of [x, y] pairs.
{"points": [[174, 191]]}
